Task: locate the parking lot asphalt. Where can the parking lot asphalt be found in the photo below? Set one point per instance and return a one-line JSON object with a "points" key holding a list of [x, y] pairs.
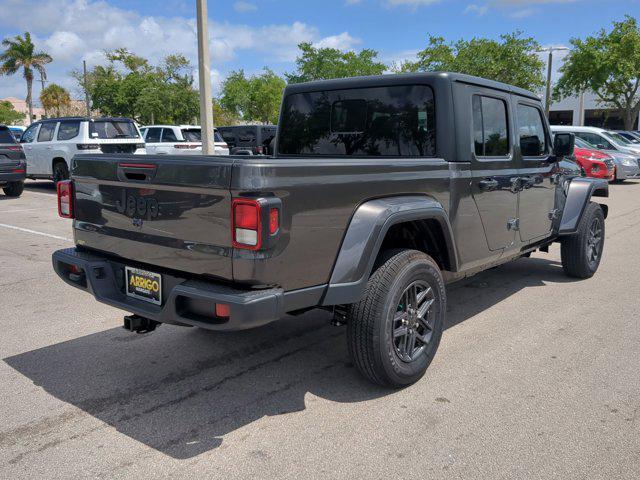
{"points": [[537, 376]]}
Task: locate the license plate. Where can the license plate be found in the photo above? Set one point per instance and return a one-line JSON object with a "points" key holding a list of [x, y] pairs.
{"points": [[144, 285]]}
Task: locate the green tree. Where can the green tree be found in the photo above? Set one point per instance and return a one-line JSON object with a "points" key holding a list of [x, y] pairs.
{"points": [[255, 98], [20, 55], [130, 86], [323, 63], [222, 116], [55, 98], [607, 64], [8, 115], [511, 60]]}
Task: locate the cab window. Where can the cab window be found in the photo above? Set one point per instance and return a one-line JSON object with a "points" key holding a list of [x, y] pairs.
{"points": [[490, 127], [392, 121], [531, 133]]}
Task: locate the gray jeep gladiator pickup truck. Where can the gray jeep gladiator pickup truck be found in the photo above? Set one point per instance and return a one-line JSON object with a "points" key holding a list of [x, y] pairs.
{"points": [[381, 190]]}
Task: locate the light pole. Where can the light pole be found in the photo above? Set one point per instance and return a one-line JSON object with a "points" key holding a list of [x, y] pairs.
{"points": [[547, 99], [204, 76]]}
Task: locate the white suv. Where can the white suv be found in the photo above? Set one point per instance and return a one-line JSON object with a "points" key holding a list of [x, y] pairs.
{"points": [[179, 140], [50, 144]]}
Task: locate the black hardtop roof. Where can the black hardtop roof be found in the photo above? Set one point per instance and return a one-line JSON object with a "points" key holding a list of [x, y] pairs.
{"points": [[404, 79], [253, 125], [85, 119]]}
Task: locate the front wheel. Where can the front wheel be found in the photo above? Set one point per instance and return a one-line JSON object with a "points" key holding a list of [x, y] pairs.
{"points": [[14, 189], [394, 331], [581, 252]]}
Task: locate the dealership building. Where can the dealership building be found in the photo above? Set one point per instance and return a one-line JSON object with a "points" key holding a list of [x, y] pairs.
{"points": [[568, 112]]}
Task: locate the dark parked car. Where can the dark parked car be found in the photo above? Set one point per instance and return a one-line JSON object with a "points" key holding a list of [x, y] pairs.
{"points": [[382, 189], [249, 139], [13, 167]]}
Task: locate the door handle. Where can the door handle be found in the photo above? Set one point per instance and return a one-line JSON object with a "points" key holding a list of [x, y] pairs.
{"points": [[488, 184]]}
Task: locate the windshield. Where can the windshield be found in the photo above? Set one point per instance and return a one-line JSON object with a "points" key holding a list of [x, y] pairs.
{"points": [[616, 137], [108, 129], [580, 143], [630, 137], [6, 136]]}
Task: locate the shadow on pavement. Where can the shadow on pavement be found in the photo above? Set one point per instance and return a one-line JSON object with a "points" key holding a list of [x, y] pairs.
{"points": [[43, 186], [180, 391]]}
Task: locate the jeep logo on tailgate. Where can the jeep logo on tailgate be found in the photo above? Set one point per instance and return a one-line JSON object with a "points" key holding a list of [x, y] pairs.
{"points": [[139, 207]]}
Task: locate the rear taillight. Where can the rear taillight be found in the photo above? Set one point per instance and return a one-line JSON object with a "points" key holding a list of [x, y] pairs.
{"points": [[260, 150], [183, 146], [87, 146], [246, 224], [14, 148], [19, 170], [223, 310], [274, 220], [65, 199]]}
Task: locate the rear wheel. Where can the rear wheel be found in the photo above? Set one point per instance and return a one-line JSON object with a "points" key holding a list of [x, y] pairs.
{"points": [[581, 252], [394, 331], [13, 189], [60, 171]]}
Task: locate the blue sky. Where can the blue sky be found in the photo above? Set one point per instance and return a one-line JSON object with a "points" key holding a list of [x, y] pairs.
{"points": [[250, 34]]}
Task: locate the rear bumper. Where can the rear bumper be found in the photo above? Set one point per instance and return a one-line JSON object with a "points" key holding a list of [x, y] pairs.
{"points": [[6, 177], [185, 302]]}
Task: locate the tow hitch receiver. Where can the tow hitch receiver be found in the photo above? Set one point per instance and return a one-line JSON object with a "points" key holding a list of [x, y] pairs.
{"points": [[138, 324]]}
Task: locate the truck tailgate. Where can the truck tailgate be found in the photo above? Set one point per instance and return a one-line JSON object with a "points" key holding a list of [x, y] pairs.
{"points": [[171, 212]]}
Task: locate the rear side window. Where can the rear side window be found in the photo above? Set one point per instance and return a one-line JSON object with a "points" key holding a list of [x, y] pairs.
{"points": [[68, 130], [153, 135], [490, 127], [106, 129], [46, 132], [6, 136], [380, 121], [533, 140], [192, 134], [228, 136], [168, 135]]}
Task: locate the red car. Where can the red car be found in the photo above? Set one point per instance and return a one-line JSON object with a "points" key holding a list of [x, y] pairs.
{"points": [[596, 164]]}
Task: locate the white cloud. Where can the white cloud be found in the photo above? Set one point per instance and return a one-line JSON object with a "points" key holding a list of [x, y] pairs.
{"points": [[244, 7], [410, 3], [479, 10], [344, 41], [525, 12], [76, 30]]}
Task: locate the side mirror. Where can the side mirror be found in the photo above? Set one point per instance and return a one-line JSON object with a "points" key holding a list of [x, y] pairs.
{"points": [[563, 144]]}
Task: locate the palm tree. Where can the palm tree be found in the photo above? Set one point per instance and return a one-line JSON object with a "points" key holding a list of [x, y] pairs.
{"points": [[21, 54], [55, 98]]}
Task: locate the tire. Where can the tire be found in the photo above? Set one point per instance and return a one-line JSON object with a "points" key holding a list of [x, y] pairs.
{"points": [[60, 171], [581, 252], [374, 322], [13, 189]]}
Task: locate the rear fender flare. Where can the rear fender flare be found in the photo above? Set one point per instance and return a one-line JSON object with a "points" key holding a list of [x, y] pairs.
{"points": [[365, 234], [579, 193]]}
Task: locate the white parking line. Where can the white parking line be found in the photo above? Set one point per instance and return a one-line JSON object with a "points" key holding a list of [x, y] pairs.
{"points": [[26, 230], [42, 194]]}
